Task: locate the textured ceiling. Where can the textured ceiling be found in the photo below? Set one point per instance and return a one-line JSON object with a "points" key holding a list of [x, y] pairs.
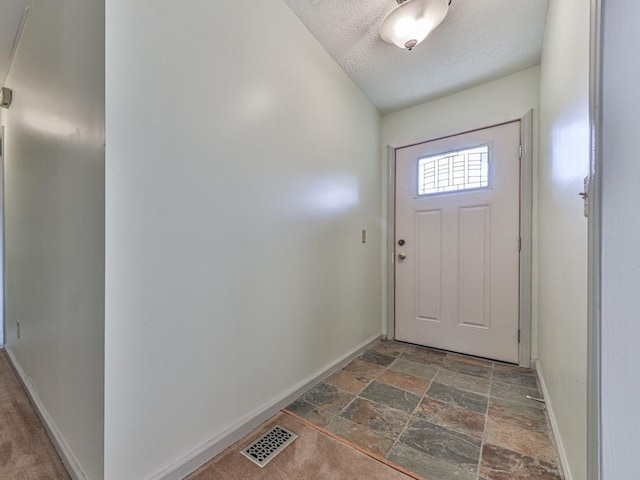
{"points": [[478, 41], [11, 12]]}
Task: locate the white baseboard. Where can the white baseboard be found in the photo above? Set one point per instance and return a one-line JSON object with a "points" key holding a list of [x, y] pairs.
{"points": [[68, 459], [562, 454], [230, 435]]}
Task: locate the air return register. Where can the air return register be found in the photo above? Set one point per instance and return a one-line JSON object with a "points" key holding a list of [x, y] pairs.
{"points": [[265, 448]]}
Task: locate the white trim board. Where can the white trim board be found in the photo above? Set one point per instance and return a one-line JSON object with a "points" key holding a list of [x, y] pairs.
{"points": [[594, 430], [390, 247], [525, 326], [3, 273], [64, 451], [562, 454], [236, 431]]}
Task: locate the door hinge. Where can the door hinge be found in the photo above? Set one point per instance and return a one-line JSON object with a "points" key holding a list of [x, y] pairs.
{"points": [[520, 152], [518, 335], [520, 244]]}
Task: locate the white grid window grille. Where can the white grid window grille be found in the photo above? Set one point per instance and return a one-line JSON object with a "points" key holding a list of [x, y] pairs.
{"points": [[453, 171]]}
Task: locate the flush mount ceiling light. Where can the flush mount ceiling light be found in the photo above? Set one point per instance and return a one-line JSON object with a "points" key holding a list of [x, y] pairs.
{"points": [[412, 20]]}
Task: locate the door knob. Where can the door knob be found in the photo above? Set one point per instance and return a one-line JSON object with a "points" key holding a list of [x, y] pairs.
{"points": [[402, 256]]}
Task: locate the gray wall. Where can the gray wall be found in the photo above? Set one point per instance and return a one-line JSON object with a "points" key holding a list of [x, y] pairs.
{"points": [[55, 222]]}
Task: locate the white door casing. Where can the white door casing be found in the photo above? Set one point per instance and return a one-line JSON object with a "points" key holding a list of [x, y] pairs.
{"points": [[458, 288], [3, 275]]}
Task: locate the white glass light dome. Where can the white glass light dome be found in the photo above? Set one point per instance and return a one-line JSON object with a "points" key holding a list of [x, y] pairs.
{"points": [[410, 22]]}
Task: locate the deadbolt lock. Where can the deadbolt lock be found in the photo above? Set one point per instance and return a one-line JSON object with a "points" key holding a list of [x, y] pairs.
{"points": [[401, 242]]}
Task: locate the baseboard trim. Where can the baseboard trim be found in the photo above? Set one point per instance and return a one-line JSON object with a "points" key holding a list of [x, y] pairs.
{"points": [[230, 435], [64, 451], [562, 454]]}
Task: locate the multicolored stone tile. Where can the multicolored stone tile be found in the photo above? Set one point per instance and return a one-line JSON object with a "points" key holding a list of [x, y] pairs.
{"points": [[515, 393], [516, 376], [390, 348], [521, 440], [384, 420], [472, 360], [423, 355], [379, 403], [364, 369], [328, 397], [312, 413], [361, 436], [454, 418], [458, 398], [502, 464], [391, 396], [462, 366], [422, 370], [376, 358], [432, 468], [519, 414], [403, 381], [463, 381], [452, 447], [507, 367], [348, 381]]}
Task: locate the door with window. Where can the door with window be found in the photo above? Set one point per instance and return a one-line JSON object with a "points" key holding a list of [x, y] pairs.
{"points": [[458, 243]]}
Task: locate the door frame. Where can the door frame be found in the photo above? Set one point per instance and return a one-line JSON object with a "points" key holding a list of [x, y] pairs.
{"points": [[3, 276], [594, 318], [526, 232]]}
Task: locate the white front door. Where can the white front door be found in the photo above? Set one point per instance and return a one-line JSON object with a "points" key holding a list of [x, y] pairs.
{"points": [[457, 243]]}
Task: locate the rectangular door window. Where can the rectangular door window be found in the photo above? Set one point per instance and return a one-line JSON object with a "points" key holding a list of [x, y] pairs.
{"points": [[453, 171]]}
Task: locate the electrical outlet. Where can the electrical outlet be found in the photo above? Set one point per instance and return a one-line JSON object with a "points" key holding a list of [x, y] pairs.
{"points": [[18, 329]]}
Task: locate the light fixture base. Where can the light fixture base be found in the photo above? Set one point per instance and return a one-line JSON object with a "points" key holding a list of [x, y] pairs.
{"points": [[411, 21]]}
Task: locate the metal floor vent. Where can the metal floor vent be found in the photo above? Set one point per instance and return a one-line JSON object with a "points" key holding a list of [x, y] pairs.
{"points": [[265, 448]]}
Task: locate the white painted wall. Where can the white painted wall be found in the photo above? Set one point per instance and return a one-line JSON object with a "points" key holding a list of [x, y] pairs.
{"points": [[505, 99], [562, 232], [242, 164], [620, 239], [55, 221]]}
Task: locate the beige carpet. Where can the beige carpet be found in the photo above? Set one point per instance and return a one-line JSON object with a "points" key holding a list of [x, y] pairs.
{"points": [[314, 455], [26, 453]]}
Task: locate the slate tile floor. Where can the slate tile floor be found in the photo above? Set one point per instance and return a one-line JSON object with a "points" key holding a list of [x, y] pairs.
{"points": [[441, 415]]}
